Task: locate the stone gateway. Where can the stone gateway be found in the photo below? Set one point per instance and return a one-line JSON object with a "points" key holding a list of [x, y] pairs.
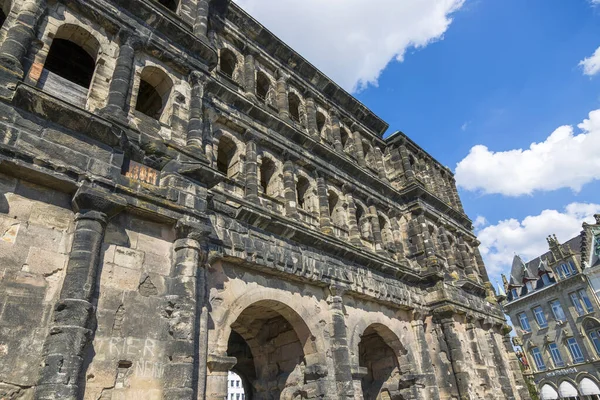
{"points": [[182, 195]]}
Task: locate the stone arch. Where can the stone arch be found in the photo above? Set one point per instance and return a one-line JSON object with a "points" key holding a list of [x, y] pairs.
{"points": [[337, 212], [587, 384], [321, 122], [5, 7], [346, 138], [263, 85], [548, 391], [228, 62], [270, 178], [567, 389], [296, 107], [302, 192], [154, 92], [369, 155], [387, 235], [591, 327], [365, 226], [228, 155]]}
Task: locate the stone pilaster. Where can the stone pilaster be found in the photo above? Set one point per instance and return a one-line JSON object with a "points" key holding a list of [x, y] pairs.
{"points": [[122, 76], [251, 169], [354, 231], [408, 170], [379, 161], [289, 190], [324, 217], [19, 36], [377, 237], [195, 131], [311, 119], [73, 324], [397, 237], [358, 149], [454, 192], [427, 370], [466, 259], [446, 318], [335, 131], [283, 104], [201, 21], [250, 75], [446, 247], [339, 345], [502, 366], [427, 240]]}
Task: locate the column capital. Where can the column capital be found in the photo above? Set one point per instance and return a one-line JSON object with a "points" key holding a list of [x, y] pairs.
{"points": [[198, 78], [88, 198], [220, 363], [193, 230], [130, 38]]}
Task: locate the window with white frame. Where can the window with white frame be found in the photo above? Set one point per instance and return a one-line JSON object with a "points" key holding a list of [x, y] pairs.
{"points": [[575, 350], [529, 286], [557, 310], [546, 279], [515, 294], [537, 357], [577, 303], [524, 322], [540, 317], [556, 356], [586, 300]]}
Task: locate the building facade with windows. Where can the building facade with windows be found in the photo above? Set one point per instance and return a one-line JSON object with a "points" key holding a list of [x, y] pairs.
{"points": [[555, 312], [235, 387]]}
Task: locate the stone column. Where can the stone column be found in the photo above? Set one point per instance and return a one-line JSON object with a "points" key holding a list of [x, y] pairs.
{"points": [[446, 247], [324, 217], [358, 149], [219, 366], [289, 190], [251, 169], [195, 131], [396, 232], [377, 237], [201, 22], [396, 162], [502, 366], [123, 74], [408, 170], [379, 160], [354, 231], [250, 75], [427, 370], [19, 36], [73, 323], [445, 317], [283, 104], [335, 131], [311, 119], [427, 242], [454, 192], [464, 255], [339, 345], [187, 289]]}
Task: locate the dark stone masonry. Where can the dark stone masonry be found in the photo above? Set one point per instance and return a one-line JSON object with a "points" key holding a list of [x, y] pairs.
{"points": [[183, 195]]}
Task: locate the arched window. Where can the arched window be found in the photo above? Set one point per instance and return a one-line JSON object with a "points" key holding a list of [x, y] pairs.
{"points": [[4, 10], [302, 188], [345, 138], [386, 233], [267, 173], [321, 121], [294, 102], [228, 62], [227, 157], [364, 225], [368, 152], [170, 4], [592, 329], [154, 91], [263, 85], [336, 211]]}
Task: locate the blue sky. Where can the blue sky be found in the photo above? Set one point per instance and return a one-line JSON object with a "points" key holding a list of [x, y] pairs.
{"points": [[456, 75]]}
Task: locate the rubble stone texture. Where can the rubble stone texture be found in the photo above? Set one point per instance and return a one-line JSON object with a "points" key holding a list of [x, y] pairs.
{"points": [[182, 195]]}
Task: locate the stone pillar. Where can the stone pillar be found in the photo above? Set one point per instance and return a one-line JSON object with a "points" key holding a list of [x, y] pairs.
{"points": [[335, 131], [311, 119], [251, 169], [397, 237], [454, 191], [414, 233], [354, 231], [408, 170], [466, 259], [358, 149], [324, 217], [427, 241], [377, 237], [514, 365], [73, 325], [219, 366], [289, 190], [446, 247], [250, 74], [379, 160], [195, 131], [339, 345], [123, 74], [502, 366], [427, 370], [188, 290], [283, 104], [445, 317], [19, 36], [201, 22]]}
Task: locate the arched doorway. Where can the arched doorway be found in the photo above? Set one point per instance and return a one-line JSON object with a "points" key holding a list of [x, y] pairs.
{"points": [[270, 342], [379, 358]]}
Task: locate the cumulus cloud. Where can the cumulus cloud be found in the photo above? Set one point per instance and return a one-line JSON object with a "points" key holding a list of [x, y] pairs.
{"points": [[527, 238], [563, 160], [591, 65], [480, 222], [352, 41]]}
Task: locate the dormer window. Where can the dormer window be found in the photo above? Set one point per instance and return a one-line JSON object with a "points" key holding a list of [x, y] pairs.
{"points": [[529, 286], [514, 293], [546, 279], [567, 269]]}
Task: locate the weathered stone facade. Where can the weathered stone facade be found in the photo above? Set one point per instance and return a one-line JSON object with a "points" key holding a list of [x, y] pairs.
{"points": [[183, 195]]}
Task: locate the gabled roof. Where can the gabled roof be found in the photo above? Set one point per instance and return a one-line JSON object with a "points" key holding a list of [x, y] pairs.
{"points": [[517, 272]]}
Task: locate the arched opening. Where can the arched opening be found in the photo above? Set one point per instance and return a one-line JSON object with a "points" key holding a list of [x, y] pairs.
{"points": [[228, 62], [364, 225], [72, 60], [302, 188], [386, 233], [368, 152], [321, 120], [267, 173], [588, 387], [263, 85], [170, 4], [548, 393], [345, 136], [336, 209], [591, 326], [377, 356], [4, 11], [566, 390], [153, 93], [294, 104], [270, 342], [227, 157]]}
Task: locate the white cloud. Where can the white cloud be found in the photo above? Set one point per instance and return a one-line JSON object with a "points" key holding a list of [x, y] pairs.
{"points": [[591, 65], [480, 222], [352, 41], [563, 160], [527, 238]]}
